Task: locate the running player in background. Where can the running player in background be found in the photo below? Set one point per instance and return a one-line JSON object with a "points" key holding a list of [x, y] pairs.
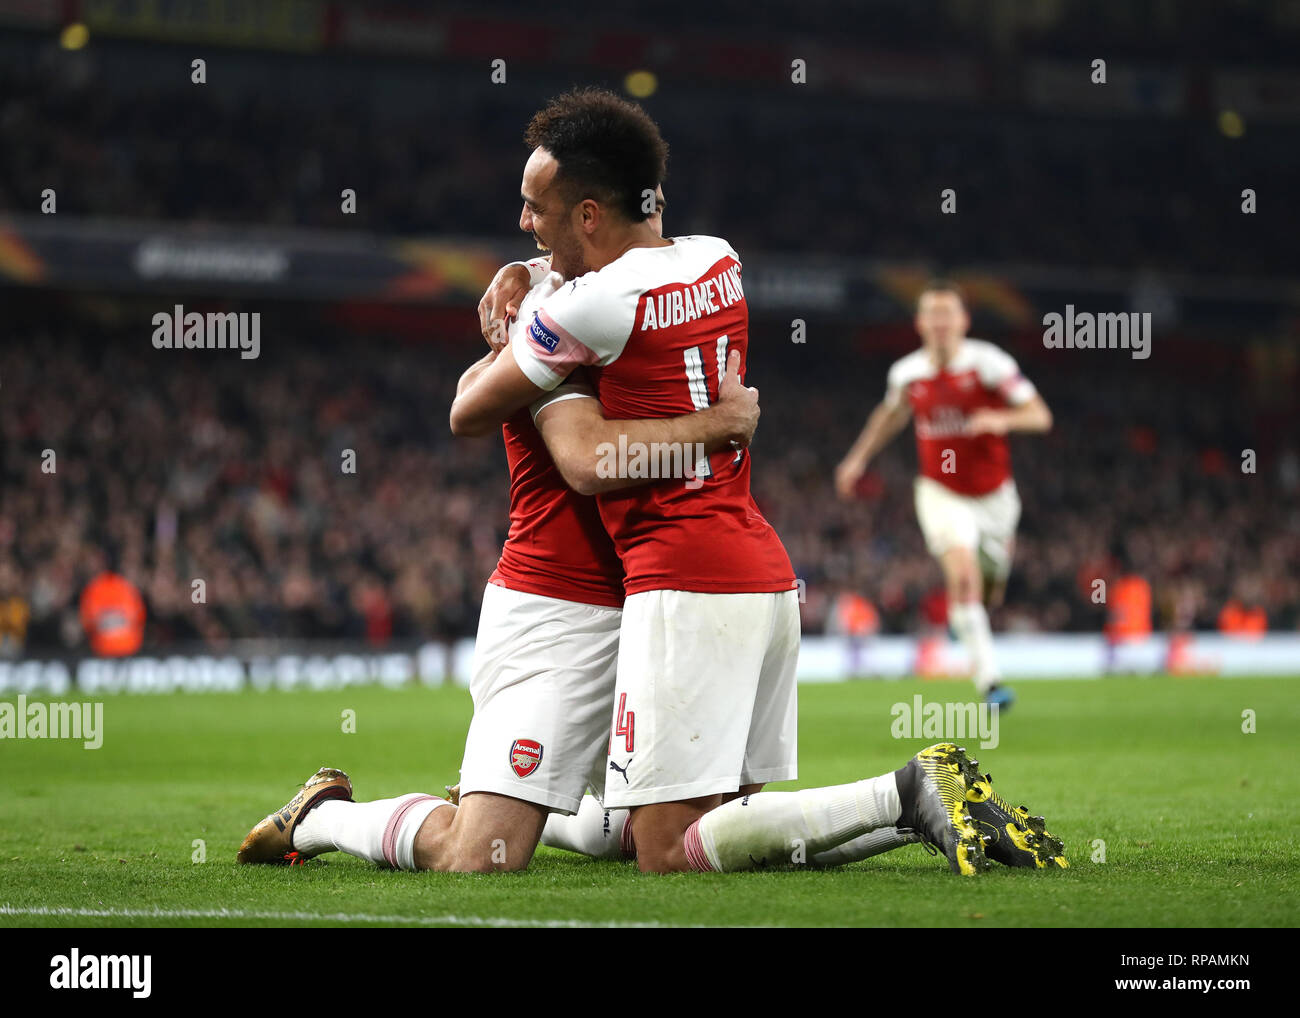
{"points": [[966, 395]]}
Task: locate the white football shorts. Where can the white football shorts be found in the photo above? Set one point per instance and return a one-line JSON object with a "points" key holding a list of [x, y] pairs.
{"points": [[706, 699], [984, 523], [542, 684]]}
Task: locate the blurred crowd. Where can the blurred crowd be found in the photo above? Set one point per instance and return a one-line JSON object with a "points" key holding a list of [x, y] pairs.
{"points": [[233, 473], [171, 467], [772, 169]]}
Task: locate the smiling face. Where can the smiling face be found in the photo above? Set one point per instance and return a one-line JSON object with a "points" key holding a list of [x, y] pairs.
{"points": [[549, 215], [555, 222]]}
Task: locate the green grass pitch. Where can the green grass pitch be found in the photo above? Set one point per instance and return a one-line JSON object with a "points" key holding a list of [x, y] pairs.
{"points": [[1197, 817]]}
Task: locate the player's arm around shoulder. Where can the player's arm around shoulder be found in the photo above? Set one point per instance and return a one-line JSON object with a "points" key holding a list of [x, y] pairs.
{"points": [[538, 355], [582, 323], [505, 295], [580, 438], [486, 400]]}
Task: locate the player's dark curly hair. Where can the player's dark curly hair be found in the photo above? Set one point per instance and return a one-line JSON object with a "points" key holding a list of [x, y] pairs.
{"points": [[608, 149]]}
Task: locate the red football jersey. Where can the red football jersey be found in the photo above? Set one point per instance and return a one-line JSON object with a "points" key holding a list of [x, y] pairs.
{"points": [[557, 545], [656, 325], [979, 376]]}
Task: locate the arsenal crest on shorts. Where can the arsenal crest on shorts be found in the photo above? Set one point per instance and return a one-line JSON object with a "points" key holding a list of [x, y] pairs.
{"points": [[525, 756]]}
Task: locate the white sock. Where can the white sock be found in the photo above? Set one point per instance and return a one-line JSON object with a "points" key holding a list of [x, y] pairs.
{"points": [[971, 624], [790, 827], [872, 843], [382, 831], [593, 830]]}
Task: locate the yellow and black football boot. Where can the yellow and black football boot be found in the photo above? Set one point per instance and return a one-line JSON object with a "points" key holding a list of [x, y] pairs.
{"points": [[1011, 836], [932, 788]]}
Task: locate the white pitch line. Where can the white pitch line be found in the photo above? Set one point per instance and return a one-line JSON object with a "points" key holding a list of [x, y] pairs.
{"points": [[319, 917]]}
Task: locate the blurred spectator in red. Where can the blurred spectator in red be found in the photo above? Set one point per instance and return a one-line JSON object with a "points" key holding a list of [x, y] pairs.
{"points": [[371, 603], [853, 615], [112, 613], [1130, 609], [1236, 619]]}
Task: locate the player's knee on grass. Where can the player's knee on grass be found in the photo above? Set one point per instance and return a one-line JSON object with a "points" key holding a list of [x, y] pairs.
{"points": [[488, 833], [663, 826]]}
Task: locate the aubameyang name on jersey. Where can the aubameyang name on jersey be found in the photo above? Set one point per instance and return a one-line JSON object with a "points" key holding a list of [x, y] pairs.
{"points": [[689, 301]]}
